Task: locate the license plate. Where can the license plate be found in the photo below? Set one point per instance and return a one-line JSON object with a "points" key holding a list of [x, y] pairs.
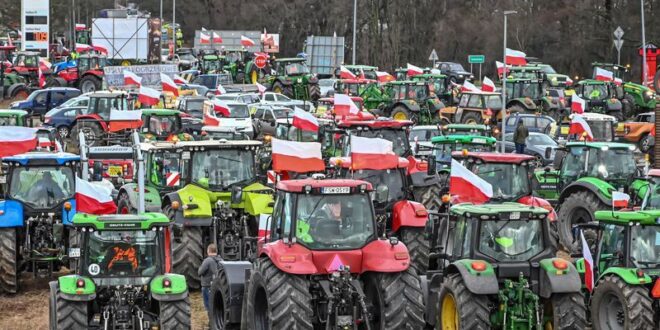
{"points": [[514, 216], [74, 252], [114, 170], [479, 140], [335, 190]]}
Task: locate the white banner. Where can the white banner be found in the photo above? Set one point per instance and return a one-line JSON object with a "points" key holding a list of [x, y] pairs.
{"points": [[150, 74]]}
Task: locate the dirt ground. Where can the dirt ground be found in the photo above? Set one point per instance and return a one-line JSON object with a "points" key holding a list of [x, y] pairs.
{"points": [[29, 308]]}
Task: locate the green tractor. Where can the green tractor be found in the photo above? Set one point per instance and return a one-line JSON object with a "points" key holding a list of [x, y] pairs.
{"points": [[220, 203], [408, 100], [588, 173], [123, 280], [602, 97], [445, 145], [529, 95], [467, 129], [210, 63], [439, 85], [294, 80], [368, 71], [640, 97], [163, 125], [494, 266]]}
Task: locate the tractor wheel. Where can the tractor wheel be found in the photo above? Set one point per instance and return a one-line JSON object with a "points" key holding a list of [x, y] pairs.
{"points": [[429, 195], [277, 300], [124, 205], [19, 93], [254, 75], [472, 118], [644, 143], [516, 108], [566, 311], [628, 106], [314, 92], [52, 302], [90, 84], [578, 207], [125, 63], [618, 114], [8, 261], [418, 247], [656, 80], [219, 302], [175, 314], [56, 82], [401, 113], [396, 299], [93, 134], [458, 308], [617, 305], [187, 254], [288, 91], [70, 314], [277, 87]]}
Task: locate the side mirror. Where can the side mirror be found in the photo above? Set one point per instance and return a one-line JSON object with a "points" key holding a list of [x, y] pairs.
{"points": [[559, 158], [382, 193], [236, 195], [432, 166]]}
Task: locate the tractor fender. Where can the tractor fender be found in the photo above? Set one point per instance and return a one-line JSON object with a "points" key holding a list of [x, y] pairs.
{"points": [[178, 289], [599, 187], [383, 257], [431, 291], [408, 214], [484, 282], [411, 105], [629, 275], [236, 279], [550, 103], [70, 291], [554, 280], [12, 215], [179, 218], [198, 204], [613, 105], [522, 103], [285, 82], [298, 259]]}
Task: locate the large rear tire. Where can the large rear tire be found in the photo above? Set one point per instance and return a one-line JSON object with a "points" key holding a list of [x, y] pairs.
{"points": [[90, 84], [70, 314], [219, 303], [578, 207], [397, 300], [277, 300], [418, 247], [187, 255], [458, 308], [429, 195], [567, 311], [472, 118], [314, 92], [401, 113], [8, 261], [175, 315], [617, 305]]}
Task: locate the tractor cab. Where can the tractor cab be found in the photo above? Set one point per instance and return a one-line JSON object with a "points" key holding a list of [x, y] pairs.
{"points": [[619, 71], [388, 129], [637, 98], [163, 125], [325, 108], [91, 62], [96, 122], [438, 84], [355, 87], [13, 117], [601, 97], [444, 146], [367, 72], [530, 95], [603, 127], [212, 63], [410, 100], [293, 79], [27, 60], [526, 72], [291, 67], [475, 108]]}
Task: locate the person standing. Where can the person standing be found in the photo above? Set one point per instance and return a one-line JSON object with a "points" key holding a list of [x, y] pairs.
{"points": [[207, 272], [519, 137]]}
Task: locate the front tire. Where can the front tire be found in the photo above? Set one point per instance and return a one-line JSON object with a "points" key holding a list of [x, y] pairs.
{"points": [[645, 143], [617, 305], [567, 311], [70, 314], [578, 207], [418, 247], [314, 92], [175, 314], [397, 300], [90, 84], [401, 113], [8, 261], [458, 308], [187, 255]]}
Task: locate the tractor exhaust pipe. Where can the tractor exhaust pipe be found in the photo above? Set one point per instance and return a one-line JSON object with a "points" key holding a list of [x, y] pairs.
{"points": [[140, 171], [83, 157]]}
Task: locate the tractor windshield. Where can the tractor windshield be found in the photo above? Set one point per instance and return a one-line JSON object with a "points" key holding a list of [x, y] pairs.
{"points": [[601, 129], [524, 89], [443, 151], [121, 254], [509, 240], [392, 179], [334, 222], [223, 168], [493, 102], [161, 125], [645, 246], [42, 187], [595, 92], [417, 92], [212, 65], [400, 143], [548, 69], [296, 68], [510, 181], [612, 164], [166, 169]]}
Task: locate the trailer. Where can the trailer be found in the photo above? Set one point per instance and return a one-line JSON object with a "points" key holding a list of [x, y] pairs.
{"points": [[324, 54]]}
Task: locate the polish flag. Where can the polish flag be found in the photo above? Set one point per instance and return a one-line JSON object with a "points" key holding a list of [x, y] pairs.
{"points": [[42, 79], [169, 84], [618, 81], [124, 119], [469, 87], [414, 70], [221, 108], [345, 73], [172, 179], [148, 96], [217, 39], [210, 118], [16, 140], [620, 199], [204, 38], [500, 68], [300, 157], [80, 27], [180, 80], [93, 199], [515, 57], [344, 105], [305, 121], [487, 85], [467, 186], [604, 75], [220, 90], [100, 48], [384, 77], [578, 105], [247, 42], [588, 264], [261, 88], [81, 48], [131, 78], [372, 154], [580, 126]]}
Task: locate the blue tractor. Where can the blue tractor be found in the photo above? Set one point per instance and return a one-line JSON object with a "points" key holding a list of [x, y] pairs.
{"points": [[36, 215]]}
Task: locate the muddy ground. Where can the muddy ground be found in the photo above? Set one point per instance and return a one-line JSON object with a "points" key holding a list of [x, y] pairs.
{"points": [[29, 308]]}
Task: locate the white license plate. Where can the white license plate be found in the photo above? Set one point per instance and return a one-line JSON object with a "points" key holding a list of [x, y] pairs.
{"points": [[479, 140], [514, 216], [74, 252], [335, 190]]}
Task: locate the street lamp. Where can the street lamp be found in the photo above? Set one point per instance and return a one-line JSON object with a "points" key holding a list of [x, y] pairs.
{"points": [[503, 110]]}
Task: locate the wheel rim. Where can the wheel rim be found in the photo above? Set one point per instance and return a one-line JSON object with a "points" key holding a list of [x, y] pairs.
{"points": [[471, 122], [612, 315], [88, 86], [125, 63], [449, 313], [90, 137], [400, 116], [63, 131]]}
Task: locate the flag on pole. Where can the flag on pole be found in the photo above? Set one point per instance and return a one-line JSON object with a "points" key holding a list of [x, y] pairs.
{"points": [[588, 264], [16, 140], [515, 57], [578, 105], [467, 186], [93, 199], [124, 119], [384, 77], [180, 80], [469, 87], [604, 75], [305, 121], [345, 73], [414, 70], [217, 39], [372, 153], [261, 88], [131, 78], [487, 85], [42, 79], [300, 157], [344, 105], [620, 199], [204, 38], [247, 42], [148, 96], [169, 84], [580, 127]]}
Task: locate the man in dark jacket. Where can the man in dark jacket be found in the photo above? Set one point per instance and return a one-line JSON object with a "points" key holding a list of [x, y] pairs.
{"points": [[519, 137], [207, 271]]}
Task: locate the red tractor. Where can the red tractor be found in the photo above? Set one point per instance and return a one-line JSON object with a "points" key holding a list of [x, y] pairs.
{"points": [[87, 75], [95, 123], [321, 264], [27, 65]]}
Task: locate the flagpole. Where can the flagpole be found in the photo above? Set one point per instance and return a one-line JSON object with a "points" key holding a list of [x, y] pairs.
{"points": [[503, 110], [644, 64], [355, 27]]}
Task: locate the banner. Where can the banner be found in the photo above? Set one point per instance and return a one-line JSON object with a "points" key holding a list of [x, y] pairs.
{"points": [[150, 74]]}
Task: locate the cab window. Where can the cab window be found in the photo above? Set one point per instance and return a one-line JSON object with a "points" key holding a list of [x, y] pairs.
{"points": [[475, 102]]}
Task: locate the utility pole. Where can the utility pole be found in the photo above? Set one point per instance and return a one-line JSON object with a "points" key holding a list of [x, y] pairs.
{"points": [[160, 43], [644, 64], [502, 147], [354, 28], [173, 29]]}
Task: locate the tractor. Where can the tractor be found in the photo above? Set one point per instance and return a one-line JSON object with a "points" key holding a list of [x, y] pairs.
{"points": [[493, 266], [439, 84], [529, 95], [322, 264], [588, 173], [359, 88], [12, 85], [603, 127], [27, 65], [639, 98], [253, 74], [444, 146], [293, 79], [36, 215], [220, 203], [551, 77], [87, 75], [475, 108], [163, 125], [211, 63], [362, 71], [602, 97], [406, 100]]}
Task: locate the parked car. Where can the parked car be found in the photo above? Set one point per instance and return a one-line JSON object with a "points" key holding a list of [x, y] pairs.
{"points": [[639, 131], [238, 119], [42, 100], [327, 87], [455, 72], [247, 98], [533, 122], [265, 118], [62, 118], [211, 81], [283, 100], [535, 145], [422, 135]]}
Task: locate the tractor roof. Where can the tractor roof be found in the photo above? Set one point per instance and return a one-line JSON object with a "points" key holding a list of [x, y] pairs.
{"points": [[466, 127], [643, 217], [299, 185], [405, 82], [199, 145], [375, 124], [592, 82], [428, 76], [160, 112], [12, 112], [143, 221], [331, 100], [345, 162], [600, 145], [464, 139], [594, 116], [610, 65], [494, 157], [481, 93], [360, 66], [522, 80], [108, 94], [42, 158], [505, 210]]}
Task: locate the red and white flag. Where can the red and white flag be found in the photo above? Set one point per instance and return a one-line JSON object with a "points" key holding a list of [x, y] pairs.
{"points": [[578, 105], [384, 77], [345, 73], [414, 70], [168, 84], [81, 48], [261, 88], [131, 78], [469, 87], [172, 179], [487, 85], [93, 199], [500, 68], [148, 96], [220, 90], [180, 80], [300, 157], [42, 79], [620, 199], [80, 27], [247, 42], [16, 140], [210, 119], [372, 154], [588, 264], [221, 108], [617, 81], [604, 75], [344, 105], [579, 126], [467, 186], [124, 119], [217, 39], [100, 48], [305, 121], [204, 38], [515, 57]]}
